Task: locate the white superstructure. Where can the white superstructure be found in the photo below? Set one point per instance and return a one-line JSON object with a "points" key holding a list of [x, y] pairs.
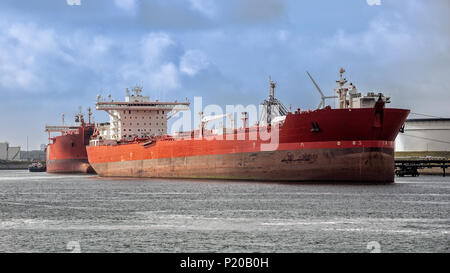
{"points": [[349, 97], [137, 116]]}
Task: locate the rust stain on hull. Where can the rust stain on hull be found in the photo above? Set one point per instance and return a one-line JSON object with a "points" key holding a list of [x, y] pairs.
{"points": [[69, 166], [331, 165]]}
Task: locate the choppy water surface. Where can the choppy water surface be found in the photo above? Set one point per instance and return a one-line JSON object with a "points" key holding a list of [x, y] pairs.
{"points": [[52, 213]]}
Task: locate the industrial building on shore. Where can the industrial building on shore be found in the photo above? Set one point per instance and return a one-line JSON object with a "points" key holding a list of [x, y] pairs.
{"points": [[425, 137], [9, 152], [13, 153]]}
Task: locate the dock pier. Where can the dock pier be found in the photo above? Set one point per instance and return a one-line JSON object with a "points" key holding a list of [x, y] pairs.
{"points": [[411, 166]]}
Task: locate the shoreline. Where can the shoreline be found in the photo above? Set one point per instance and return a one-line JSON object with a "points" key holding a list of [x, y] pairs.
{"points": [[14, 165]]}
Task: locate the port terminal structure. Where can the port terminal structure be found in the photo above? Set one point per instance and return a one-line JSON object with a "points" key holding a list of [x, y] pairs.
{"points": [[405, 167]]}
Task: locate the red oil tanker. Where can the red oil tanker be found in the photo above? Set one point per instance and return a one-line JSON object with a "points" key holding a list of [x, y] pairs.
{"points": [[353, 143], [67, 153]]}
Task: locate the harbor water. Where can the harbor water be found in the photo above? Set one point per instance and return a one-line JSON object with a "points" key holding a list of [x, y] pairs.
{"points": [[40, 212]]}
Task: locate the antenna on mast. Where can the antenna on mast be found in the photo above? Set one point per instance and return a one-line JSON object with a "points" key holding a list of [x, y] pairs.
{"points": [[323, 97], [272, 86], [272, 107]]}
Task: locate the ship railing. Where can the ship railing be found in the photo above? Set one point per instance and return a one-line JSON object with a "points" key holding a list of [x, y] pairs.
{"points": [[60, 128], [162, 106], [102, 142]]}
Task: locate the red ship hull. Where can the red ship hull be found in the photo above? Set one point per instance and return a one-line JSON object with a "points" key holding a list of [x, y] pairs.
{"points": [[350, 145], [69, 166], [67, 153]]}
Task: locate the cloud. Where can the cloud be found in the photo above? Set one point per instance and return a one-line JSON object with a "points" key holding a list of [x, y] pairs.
{"points": [[373, 2], [154, 66], [157, 15], [165, 78], [19, 55], [164, 15], [128, 6], [43, 60], [380, 35], [34, 59], [206, 7], [283, 35], [193, 61], [153, 46], [207, 14], [73, 2], [258, 11], [405, 56]]}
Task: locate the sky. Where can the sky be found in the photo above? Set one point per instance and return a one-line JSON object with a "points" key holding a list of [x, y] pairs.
{"points": [[57, 55]]}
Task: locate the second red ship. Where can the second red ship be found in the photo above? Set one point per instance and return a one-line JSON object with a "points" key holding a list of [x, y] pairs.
{"points": [[67, 153]]}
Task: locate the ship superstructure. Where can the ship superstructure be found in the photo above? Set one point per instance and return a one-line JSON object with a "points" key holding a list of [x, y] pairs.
{"points": [[137, 116], [349, 97]]}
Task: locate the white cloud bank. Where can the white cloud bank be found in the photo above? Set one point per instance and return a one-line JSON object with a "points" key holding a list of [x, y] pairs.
{"points": [[207, 7], [193, 61], [154, 45], [37, 60]]}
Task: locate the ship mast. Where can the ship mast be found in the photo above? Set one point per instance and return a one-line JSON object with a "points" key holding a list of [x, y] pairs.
{"points": [[272, 107], [341, 90], [272, 86], [90, 114]]}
